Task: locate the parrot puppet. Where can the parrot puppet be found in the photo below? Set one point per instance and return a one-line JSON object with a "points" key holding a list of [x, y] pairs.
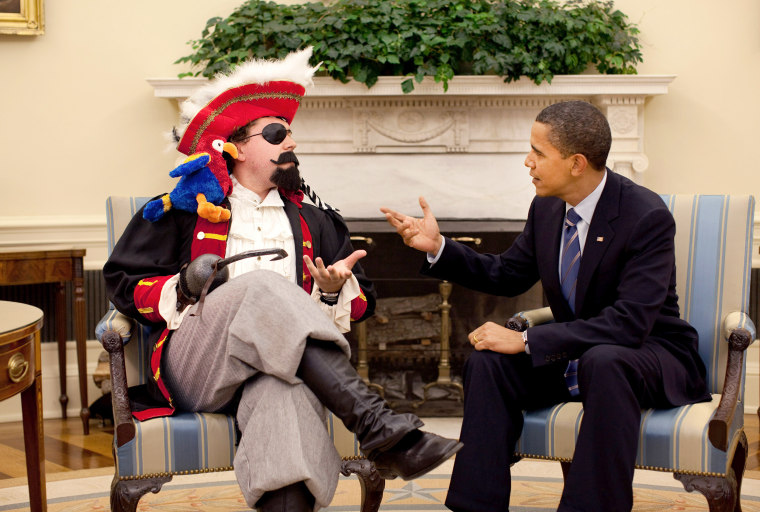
{"points": [[203, 184]]}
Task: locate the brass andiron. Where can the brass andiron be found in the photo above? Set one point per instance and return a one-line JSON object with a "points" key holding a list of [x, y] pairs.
{"points": [[362, 368], [444, 367]]}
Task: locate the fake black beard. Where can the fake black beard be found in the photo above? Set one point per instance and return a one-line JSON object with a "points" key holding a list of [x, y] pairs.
{"points": [[287, 178]]}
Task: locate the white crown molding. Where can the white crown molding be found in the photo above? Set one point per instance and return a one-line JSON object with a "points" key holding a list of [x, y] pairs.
{"points": [[561, 85]]}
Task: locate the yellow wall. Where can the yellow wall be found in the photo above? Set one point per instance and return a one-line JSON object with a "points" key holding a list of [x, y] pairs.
{"points": [[702, 136], [79, 120]]}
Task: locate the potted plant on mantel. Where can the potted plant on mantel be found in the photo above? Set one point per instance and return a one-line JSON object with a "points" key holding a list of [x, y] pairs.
{"points": [[413, 39]]}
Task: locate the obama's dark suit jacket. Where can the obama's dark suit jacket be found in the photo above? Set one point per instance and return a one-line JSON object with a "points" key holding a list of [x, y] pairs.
{"points": [[626, 290]]}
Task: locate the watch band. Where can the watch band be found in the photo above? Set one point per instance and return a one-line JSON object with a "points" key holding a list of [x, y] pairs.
{"points": [[329, 298]]}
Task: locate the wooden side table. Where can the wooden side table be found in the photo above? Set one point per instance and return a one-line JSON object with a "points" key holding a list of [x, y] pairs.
{"points": [[35, 267], [21, 371]]}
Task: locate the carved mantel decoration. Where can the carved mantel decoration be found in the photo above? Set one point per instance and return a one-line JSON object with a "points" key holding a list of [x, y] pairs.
{"points": [[463, 149]]}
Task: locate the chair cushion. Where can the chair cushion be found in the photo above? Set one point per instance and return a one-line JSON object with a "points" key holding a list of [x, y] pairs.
{"points": [[670, 439], [197, 442], [185, 442]]}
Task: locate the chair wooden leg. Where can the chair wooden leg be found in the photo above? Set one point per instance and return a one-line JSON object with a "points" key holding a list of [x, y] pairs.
{"points": [[372, 484], [720, 492], [125, 494], [738, 465], [723, 494]]}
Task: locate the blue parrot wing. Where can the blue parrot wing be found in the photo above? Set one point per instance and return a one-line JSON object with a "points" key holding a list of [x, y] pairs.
{"points": [[192, 164]]}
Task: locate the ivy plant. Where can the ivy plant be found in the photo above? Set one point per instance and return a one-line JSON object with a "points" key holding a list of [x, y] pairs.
{"points": [[365, 39]]}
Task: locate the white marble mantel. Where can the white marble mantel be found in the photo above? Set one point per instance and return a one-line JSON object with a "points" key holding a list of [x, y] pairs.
{"points": [[462, 149]]}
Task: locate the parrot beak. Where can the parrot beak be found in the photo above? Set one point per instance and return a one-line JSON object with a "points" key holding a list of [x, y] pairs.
{"points": [[230, 149]]}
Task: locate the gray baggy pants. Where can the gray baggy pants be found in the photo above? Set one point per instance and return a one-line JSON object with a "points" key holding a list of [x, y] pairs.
{"points": [[248, 343]]}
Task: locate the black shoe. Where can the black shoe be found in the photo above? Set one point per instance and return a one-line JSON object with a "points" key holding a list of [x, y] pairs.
{"points": [[293, 498], [416, 454]]}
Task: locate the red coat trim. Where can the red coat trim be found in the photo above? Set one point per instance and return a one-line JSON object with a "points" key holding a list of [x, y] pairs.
{"points": [[358, 306], [209, 237], [296, 197], [147, 296], [155, 366], [308, 250]]}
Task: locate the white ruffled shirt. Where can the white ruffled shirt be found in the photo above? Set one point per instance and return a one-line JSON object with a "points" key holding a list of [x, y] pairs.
{"points": [[262, 224], [259, 224]]}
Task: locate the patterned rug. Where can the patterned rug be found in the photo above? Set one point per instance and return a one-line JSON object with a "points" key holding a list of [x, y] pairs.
{"points": [[536, 487]]}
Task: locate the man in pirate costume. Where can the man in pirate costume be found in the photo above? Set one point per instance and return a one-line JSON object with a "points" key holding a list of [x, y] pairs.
{"points": [[267, 343]]}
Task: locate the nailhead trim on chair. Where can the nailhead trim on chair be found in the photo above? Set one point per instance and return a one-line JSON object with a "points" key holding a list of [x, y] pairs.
{"points": [[204, 470], [186, 472], [542, 457]]}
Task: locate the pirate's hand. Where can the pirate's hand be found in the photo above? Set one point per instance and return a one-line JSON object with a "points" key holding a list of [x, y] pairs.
{"points": [[331, 278]]}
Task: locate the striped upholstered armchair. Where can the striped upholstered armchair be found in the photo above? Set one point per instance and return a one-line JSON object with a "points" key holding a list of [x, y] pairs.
{"points": [[703, 444], [148, 453]]}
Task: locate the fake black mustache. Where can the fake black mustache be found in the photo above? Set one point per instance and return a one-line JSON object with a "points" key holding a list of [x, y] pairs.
{"points": [[286, 158]]}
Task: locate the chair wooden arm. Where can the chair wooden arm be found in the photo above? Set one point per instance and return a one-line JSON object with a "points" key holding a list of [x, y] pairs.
{"points": [[122, 412], [530, 318], [720, 423]]}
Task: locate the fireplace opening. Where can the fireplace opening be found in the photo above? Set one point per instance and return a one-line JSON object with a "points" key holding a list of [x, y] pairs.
{"points": [[403, 338]]}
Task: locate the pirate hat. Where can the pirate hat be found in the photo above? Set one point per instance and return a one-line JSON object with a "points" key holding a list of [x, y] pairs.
{"points": [[254, 89]]}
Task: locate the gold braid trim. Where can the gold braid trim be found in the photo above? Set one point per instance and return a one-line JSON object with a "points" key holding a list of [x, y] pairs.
{"points": [[247, 97]]}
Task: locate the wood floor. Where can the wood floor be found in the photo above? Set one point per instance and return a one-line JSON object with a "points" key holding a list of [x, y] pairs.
{"points": [[68, 449]]}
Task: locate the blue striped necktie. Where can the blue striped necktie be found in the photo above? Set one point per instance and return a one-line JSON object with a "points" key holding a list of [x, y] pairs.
{"points": [[571, 261]]}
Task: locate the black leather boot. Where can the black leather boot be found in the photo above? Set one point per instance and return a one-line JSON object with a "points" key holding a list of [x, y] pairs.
{"points": [[389, 438], [293, 498]]}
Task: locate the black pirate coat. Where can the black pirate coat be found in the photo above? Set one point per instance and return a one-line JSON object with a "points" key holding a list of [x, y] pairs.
{"points": [[149, 253]]}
